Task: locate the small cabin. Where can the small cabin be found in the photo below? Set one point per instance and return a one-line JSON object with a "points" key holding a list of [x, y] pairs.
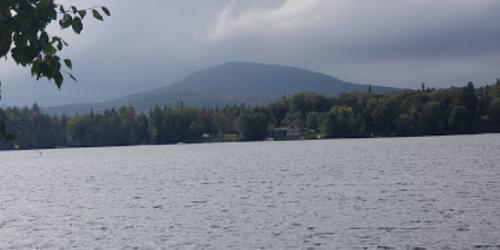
{"points": [[287, 133], [279, 133]]}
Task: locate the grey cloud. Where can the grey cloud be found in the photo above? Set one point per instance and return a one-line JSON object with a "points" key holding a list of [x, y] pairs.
{"points": [[151, 43]]}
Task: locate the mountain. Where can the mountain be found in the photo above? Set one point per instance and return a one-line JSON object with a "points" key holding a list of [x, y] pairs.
{"points": [[230, 83]]}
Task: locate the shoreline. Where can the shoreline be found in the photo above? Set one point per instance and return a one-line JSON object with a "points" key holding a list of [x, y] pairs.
{"points": [[248, 141]]}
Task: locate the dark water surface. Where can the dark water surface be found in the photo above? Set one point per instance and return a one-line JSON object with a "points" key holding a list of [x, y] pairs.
{"points": [[401, 193]]}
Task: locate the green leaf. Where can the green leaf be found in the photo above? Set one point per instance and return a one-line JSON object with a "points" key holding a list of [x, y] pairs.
{"points": [[45, 3], [36, 68], [106, 11], [73, 77], [5, 43], [97, 15], [58, 78], [44, 38], [49, 49], [66, 21], [77, 25], [68, 63], [52, 14], [20, 40], [23, 55], [74, 9], [82, 13], [59, 45]]}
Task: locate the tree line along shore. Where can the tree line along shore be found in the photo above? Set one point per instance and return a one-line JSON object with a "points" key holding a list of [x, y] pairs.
{"points": [[307, 115]]}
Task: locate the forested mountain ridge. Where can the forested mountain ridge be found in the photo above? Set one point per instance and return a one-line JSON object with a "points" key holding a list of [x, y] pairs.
{"points": [[305, 115], [227, 84]]}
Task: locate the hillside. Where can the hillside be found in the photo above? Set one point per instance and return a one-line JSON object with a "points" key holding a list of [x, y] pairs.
{"points": [[230, 83]]}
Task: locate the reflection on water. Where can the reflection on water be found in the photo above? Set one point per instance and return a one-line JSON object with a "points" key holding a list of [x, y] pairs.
{"points": [[402, 193]]}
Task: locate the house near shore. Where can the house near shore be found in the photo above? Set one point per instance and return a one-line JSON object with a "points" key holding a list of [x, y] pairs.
{"points": [[287, 133]]}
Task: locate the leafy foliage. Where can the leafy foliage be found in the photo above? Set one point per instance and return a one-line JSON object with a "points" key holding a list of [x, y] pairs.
{"points": [[24, 35]]}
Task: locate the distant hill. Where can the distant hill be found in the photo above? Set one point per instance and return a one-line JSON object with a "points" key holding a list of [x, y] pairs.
{"points": [[230, 83]]}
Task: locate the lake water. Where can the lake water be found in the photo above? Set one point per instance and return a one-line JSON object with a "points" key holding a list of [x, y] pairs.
{"points": [[401, 193]]}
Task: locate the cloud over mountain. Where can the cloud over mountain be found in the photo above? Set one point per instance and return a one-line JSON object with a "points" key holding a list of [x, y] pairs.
{"points": [[145, 45]]}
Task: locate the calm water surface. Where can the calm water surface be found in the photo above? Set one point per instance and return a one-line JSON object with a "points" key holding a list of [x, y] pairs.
{"points": [[403, 193]]}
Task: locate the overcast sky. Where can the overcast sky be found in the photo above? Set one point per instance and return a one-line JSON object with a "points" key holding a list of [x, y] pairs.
{"points": [[149, 44]]}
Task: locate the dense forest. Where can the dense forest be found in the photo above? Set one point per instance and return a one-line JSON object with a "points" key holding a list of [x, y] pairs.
{"points": [[307, 115]]}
